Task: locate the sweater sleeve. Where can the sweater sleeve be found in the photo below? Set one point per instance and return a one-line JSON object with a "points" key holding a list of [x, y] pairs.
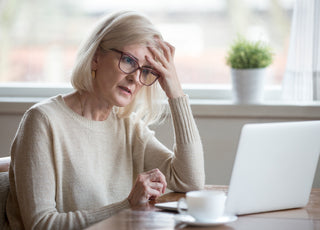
{"points": [[33, 182], [183, 169]]}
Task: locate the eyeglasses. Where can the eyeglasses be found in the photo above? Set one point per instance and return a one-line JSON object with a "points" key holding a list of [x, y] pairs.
{"points": [[129, 64]]}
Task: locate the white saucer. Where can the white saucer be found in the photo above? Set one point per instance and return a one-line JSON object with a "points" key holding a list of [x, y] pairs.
{"points": [[189, 220]]}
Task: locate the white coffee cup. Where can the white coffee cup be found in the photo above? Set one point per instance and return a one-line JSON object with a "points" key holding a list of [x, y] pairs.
{"points": [[204, 206]]}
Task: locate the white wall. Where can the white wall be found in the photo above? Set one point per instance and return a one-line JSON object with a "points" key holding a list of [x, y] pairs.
{"points": [[219, 126], [220, 138]]}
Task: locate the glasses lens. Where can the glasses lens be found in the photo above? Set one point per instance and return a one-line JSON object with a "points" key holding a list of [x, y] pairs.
{"points": [[148, 76], [128, 64]]}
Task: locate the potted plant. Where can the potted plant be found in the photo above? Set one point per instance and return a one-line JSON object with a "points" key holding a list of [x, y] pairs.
{"points": [[248, 61]]}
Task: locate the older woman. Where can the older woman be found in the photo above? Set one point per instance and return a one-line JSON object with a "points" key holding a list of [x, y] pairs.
{"points": [[79, 158]]}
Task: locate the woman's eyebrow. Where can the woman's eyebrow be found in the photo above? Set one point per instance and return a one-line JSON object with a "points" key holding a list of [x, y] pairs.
{"points": [[148, 66], [134, 57]]}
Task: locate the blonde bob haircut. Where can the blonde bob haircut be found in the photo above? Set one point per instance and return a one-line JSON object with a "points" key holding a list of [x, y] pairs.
{"points": [[116, 31]]}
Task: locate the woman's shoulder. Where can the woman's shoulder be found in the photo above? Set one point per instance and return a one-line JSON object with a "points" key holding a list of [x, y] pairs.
{"points": [[48, 102], [44, 108]]}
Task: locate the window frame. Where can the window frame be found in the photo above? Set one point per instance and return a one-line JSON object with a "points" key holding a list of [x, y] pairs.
{"points": [[28, 91], [205, 102]]}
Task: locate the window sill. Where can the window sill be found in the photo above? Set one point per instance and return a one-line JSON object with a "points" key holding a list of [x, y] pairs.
{"points": [[206, 101], [269, 109], [203, 108]]}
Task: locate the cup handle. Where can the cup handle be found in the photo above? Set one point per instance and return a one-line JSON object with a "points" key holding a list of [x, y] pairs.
{"points": [[180, 202]]}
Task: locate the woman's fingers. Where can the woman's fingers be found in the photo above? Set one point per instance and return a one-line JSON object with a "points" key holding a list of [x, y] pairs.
{"points": [[148, 185], [166, 49], [172, 48], [159, 60], [154, 191], [162, 61], [157, 176], [157, 186]]}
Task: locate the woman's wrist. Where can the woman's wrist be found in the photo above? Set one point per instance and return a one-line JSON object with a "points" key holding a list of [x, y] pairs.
{"points": [[175, 93]]}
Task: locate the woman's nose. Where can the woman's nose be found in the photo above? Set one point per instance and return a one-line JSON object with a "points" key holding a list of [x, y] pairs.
{"points": [[134, 77]]}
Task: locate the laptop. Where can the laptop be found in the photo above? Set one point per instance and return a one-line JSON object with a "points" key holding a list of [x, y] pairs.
{"points": [[274, 167]]}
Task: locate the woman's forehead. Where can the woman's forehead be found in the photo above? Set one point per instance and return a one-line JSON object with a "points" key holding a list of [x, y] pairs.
{"points": [[139, 51]]}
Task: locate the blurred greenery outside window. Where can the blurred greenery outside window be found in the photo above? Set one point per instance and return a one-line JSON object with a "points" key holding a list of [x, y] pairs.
{"points": [[39, 39]]}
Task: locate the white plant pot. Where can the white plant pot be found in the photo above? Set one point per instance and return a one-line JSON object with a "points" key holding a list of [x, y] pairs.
{"points": [[248, 85]]}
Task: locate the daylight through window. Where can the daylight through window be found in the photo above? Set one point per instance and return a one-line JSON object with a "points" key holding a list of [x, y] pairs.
{"points": [[39, 39]]}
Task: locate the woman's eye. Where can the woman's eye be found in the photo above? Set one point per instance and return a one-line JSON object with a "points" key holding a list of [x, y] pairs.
{"points": [[128, 60], [146, 71]]}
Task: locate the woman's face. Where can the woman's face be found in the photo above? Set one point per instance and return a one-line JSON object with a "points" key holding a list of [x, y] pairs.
{"points": [[111, 84]]}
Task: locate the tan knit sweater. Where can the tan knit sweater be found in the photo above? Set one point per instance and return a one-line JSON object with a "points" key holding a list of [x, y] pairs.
{"points": [[68, 172]]}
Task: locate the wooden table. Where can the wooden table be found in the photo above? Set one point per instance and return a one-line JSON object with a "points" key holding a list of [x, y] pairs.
{"points": [[149, 217]]}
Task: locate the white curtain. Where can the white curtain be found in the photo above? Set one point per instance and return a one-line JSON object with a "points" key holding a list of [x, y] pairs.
{"points": [[302, 77]]}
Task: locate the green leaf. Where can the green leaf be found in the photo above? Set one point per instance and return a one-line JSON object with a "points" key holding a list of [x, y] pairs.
{"points": [[245, 54]]}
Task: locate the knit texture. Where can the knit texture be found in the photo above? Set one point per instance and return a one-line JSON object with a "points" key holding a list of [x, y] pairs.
{"points": [[69, 172], [4, 190]]}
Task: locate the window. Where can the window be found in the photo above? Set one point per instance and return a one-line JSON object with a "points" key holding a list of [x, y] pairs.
{"points": [[39, 39]]}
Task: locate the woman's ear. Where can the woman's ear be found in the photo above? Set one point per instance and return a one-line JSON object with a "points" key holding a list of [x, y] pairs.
{"points": [[95, 61]]}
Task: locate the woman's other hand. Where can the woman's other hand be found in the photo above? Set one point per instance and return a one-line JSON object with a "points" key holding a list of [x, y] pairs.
{"points": [[148, 186], [163, 62]]}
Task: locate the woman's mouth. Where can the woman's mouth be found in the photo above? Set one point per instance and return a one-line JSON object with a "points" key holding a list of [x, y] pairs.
{"points": [[127, 90]]}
